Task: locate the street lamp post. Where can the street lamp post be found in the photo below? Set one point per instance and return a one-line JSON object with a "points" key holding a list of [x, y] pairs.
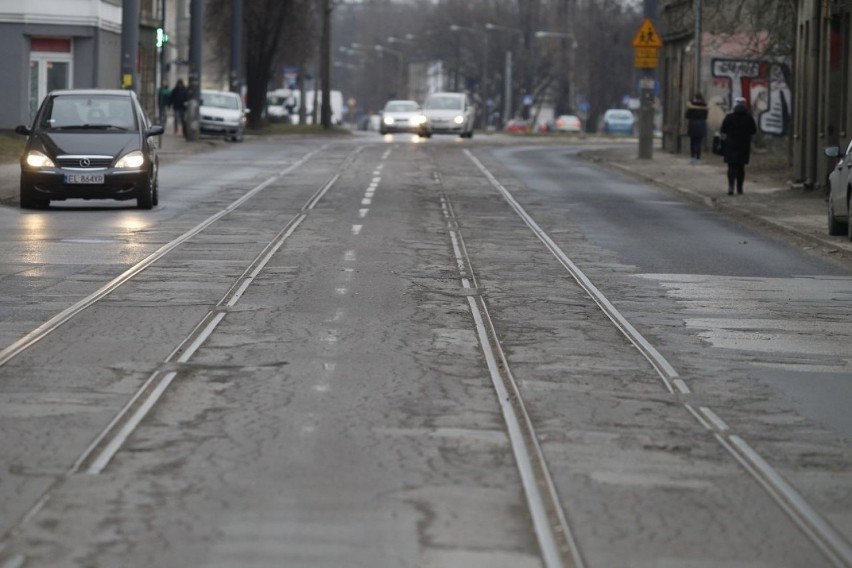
{"points": [[507, 82], [483, 82], [573, 45], [399, 57]]}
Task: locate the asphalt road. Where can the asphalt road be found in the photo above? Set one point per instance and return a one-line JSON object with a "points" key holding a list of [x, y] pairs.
{"points": [[381, 352]]}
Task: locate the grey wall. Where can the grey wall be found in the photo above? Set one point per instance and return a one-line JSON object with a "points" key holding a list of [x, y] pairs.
{"points": [[97, 63]]}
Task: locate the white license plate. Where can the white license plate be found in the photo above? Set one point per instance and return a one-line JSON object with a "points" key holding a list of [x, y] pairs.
{"points": [[84, 178]]}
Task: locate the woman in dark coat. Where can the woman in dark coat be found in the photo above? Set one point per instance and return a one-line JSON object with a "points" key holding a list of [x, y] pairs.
{"points": [[696, 126], [738, 128]]}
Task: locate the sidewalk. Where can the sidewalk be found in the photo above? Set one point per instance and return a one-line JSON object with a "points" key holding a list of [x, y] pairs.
{"points": [[768, 200]]}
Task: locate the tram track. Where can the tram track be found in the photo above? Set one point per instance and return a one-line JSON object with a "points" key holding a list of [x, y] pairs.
{"points": [[551, 522], [97, 456], [813, 525]]}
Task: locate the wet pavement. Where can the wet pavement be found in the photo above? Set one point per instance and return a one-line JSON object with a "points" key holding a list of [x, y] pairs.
{"points": [[769, 200]]}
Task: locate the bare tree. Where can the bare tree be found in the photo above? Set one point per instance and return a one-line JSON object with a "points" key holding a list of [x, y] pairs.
{"points": [[271, 27]]}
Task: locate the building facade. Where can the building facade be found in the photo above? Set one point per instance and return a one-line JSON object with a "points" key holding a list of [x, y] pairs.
{"points": [[722, 67], [62, 44], [823, 91]]}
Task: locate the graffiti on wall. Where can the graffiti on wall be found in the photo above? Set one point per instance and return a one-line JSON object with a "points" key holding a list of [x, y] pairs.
{"points": [[764, 84]]}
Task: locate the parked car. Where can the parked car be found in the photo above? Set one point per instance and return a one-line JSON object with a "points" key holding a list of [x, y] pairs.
{"points": [[404, 116], [568, 123], [280, 104], [222, 112], [617, 121], [840, 192], [517, 126], [545, 126], [89, 144], [450, 113]]}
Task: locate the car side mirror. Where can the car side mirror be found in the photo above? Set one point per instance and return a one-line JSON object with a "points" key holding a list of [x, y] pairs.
{"points": [[22, 130], [156, 130], [831, 151], [246, 111]]}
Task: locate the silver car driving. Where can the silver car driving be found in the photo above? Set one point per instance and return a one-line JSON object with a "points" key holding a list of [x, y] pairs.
{"points": [[450, 113], [404, 116]]}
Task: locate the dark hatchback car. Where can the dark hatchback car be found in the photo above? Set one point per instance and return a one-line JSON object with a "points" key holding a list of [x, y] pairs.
{"points": [[90, 144]]}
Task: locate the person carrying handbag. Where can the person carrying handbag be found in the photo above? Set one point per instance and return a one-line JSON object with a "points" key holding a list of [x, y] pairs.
{"points": [[738, 127]]}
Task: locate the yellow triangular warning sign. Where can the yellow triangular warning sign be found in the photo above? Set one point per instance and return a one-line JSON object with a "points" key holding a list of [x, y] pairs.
{"points": [[647, 36]]}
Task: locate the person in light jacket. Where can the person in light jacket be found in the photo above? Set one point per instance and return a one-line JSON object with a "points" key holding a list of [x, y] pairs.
{"points": [[696, 126], [738, 127]]}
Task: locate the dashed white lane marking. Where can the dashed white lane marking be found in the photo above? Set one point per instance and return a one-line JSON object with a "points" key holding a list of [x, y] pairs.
{"points": [[349, 256], [363, 212], [356, 229], [341, 291], [366, 201]]}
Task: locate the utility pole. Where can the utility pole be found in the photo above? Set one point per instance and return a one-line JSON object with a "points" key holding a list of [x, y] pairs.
{"points": [[196, 27], [646, 97], [236, 46], [325, 66], [129, 44], [507, 89], [698, 26]]}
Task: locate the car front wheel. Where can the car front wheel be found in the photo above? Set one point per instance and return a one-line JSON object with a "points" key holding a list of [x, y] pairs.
{"points": [[848, 219], [146, 200], [835, 227]]}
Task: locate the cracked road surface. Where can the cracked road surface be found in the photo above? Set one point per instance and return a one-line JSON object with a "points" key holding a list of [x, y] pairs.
{"points": [[298, 360]]}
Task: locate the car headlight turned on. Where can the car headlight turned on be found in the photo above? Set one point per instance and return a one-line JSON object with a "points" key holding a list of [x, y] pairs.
{"points": [[131, 160], [388, 120], [36, 159], [459, 119], [420, 120]]}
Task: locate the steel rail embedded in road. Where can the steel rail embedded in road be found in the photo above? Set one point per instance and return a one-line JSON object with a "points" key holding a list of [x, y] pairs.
{"points": [[75, 309], [819, 530], [104, 447], [555, 538], [98, 455]]}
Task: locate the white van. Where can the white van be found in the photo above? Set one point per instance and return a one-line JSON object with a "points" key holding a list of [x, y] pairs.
{"points": [[336, 106]]}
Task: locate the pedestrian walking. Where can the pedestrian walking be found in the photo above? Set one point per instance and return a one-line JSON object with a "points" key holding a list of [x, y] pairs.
{"points": [[738, 127], [178, 99], [163, 96], [696, 126]]}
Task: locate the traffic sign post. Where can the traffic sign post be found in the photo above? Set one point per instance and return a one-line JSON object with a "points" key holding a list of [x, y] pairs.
{"points": [[646, 46]]}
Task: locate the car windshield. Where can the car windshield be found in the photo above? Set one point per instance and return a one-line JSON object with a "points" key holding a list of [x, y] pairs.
{"points": [[401, 107], [220, 100], [443, 103], [89, 111]]}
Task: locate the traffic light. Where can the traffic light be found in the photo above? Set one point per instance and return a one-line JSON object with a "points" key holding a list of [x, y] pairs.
{"points": [[162, 37]]}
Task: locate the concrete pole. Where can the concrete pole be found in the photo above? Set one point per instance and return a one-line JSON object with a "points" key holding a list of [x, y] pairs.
{"points": [[646, 98], [325, 66], [236, 45], [696, 88], [507, 86], [129, 44], [196, 27]]}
